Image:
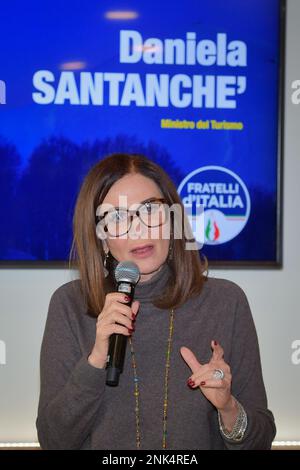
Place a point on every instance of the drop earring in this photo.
(105, 270)
(170, 254)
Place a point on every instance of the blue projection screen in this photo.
(195, 86)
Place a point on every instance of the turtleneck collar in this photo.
(147, 291)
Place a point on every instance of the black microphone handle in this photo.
(118, 343)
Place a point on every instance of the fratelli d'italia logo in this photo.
(224, 198)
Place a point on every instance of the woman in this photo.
(192, 375)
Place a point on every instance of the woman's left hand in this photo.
(217, 391)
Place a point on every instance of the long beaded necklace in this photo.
(166, 383)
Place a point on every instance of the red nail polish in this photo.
(202, 383)
(126, 298)
(131, 330)
(215, 343)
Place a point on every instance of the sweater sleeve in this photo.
(247, 381)
(71, 389)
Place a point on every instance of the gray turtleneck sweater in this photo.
(78, 411)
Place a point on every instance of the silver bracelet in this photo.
(239, 427)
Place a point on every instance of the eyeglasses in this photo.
(118, 221)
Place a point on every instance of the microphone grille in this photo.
(127, 271)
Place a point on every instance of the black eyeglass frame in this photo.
(99, 218)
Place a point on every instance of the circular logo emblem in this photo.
(220, 199)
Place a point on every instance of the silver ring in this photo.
(218, 374)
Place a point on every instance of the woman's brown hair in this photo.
(87, 254)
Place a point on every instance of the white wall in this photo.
(274, 297)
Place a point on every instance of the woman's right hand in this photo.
(115, 317)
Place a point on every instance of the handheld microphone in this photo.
(127, 275)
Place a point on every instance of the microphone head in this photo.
(127, 271)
